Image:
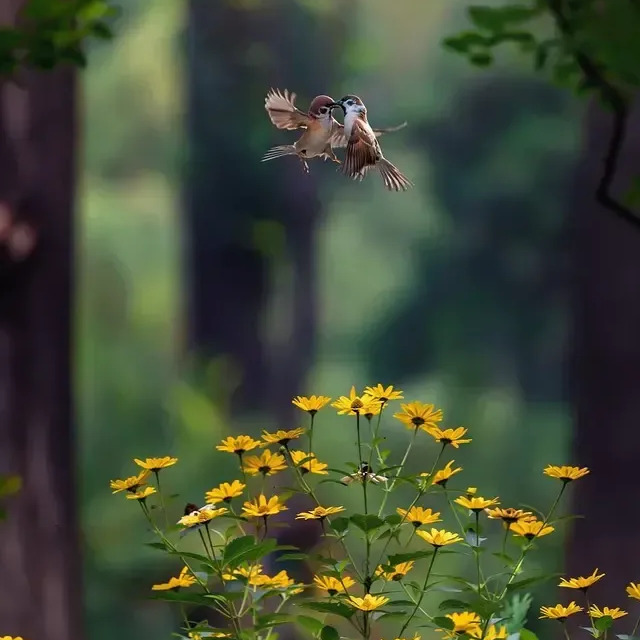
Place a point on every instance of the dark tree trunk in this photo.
(40, 590)
(606, 373)
(235, 54)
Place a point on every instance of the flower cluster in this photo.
(375, 566)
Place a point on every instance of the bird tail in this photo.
(391, 176)
(279, 152)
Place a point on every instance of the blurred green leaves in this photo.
(9, 486)
(50, 33)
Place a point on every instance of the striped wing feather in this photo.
(282, 110)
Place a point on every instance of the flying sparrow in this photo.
(364, 474)
(363, 148)
(322, 134)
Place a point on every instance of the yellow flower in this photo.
(333, 585)
(225, 492)
(354, 404)
(495, 633)
(442, 476)
(371, 409)
(476, 503)
(416, 415)
(566, 474)
(594, 612)
(245, 572)
(471, 491)
(308, 463)
(633, 590)
(311, 404)
(531, 529)
(260, 507)
(440, 538)
(396, 574)
(185, 579)
(267, 464)
(133, 483)
(202, 516)
(141, 494)
(319, 513)
(465, 622)
(281, 437)
(418, 516)
(383, 394)
(559, 612)
(238, 445)
(454, 437)
(581, 583)
(279, 581)
(368, 603)
(509, 516)
(195, 635)
(155, 464)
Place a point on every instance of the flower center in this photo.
(357, 404)
(332, 592)
(312, 412)
(417, 421)
(265, 469)
(239, 451)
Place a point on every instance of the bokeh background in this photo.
(213, 288)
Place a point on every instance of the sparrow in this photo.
(363, 149)
(364, 473)
(322, 132)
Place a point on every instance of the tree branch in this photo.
(614, 98)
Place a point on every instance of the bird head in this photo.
(320, 107)
(350, 104)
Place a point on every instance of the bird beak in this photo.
(334, 105)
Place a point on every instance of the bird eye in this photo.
(323, 109)
(349, 103)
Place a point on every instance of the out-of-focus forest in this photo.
(212, 288)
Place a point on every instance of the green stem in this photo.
(395, 478)
(424, 588)
(476, 549)
(635, 627)
(162, 505)
(505, 539)
(420, 609)
(311, 434)
(374, 442)
(566, 633)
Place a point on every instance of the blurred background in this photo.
(212, 288)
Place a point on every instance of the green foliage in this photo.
(51, 33)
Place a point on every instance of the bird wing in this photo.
(283, 112)
(339, 139)
(362, 150)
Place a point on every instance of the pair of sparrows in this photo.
(323, 133)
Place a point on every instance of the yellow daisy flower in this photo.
(155, 464)
(560, 612)
(184, 580)
(279, 581)
(260, 507)
(566, 474)
(395, 574)
(311, 404)
(531, 529)
(442, 476)
(238, 444)
(633, 590)
(333, 585)
(595, 612)
(319, 513)
(281, 437)
(465, 622)
(308, 463)
(368, 603)
(354, 404)
(245, 572)
(508, 516)
(267, 464)
(454, 437)
(476, 503)
(495, 633)
(371, 409)
(141, 494)
(581, 583)
(418, 516)
(440, 538)
(225, 492)
(383, 394)
(416, 415)
(202, 516)
(133, 483)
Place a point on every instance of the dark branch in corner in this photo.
(618, 104)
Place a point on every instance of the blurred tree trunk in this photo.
(248, 221)
(606, 372)
(40, 590)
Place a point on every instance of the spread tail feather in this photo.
(279, 152)
(391, 176)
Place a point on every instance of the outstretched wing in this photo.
(339, 139)
(283, 112)
(363, 150)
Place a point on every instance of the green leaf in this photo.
(340, 525)
(312, 625)
(272, 619)
(393, 519)
(603, 623)
(10, 485)
(237, 548)
(329, 633)
(337, 608)
(367, 522)
(397, 558)
(156, 545)
(525, 634)
(453, 604)
(193, 556)
(182, 596)
(443, 622)
(481, 59)
(527, 582)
